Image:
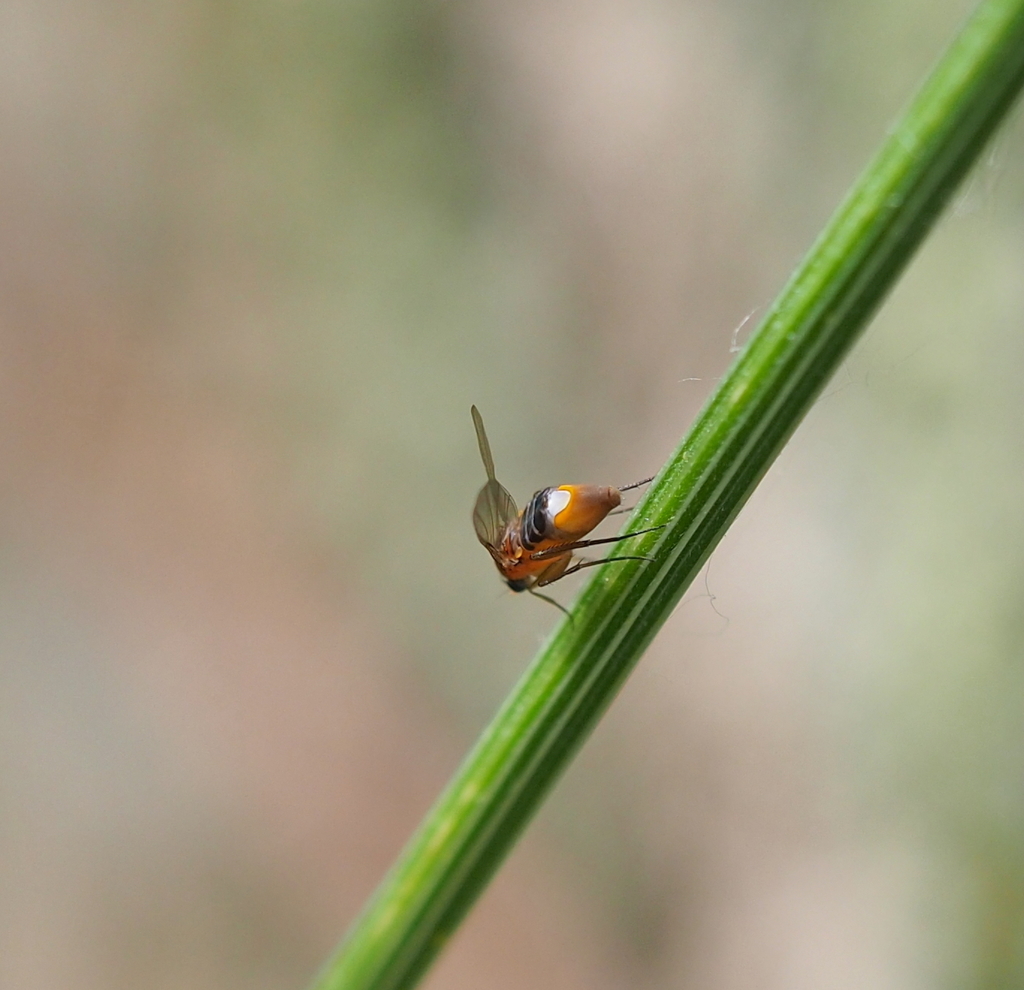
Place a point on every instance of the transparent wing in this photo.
(493, 511)
(494, 508)
(481, 439)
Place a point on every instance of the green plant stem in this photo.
(759, 404)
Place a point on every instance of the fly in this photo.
(536, 547)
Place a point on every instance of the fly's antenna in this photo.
(550, 601)
(637, 484)
(481, 439)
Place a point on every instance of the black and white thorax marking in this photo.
(537, 523)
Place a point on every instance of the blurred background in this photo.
(258, 260)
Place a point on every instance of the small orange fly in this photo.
(534, 548)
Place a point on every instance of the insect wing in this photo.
(493, 511)
(481, 439)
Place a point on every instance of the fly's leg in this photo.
(559, 568)
(637, 484)
(553, 571)
(580, 544)
(550, 601)
(595, 563)
(550, 574)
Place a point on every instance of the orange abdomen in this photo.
(563, 515)
(574, 510)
